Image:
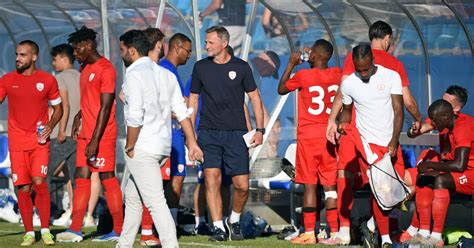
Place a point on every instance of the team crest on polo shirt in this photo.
(91, 76)
(232, 75)
(381, 87)
(40, 86)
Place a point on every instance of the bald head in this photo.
(441, 114)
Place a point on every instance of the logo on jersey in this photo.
(381, 87)
(91, 76)
(40, 86)
(232, 75)
(180, 168)
(14, 177)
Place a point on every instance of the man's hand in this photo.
(256, 140)
(423, 167)
(46, 132)
(341, 128)
(76, 126)
(61, 137)
(295, 58)
(392, 148)
(195, 153)
(331, 132)
(130, 153)
(415, 129)
(92, 148)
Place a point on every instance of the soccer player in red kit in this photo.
(97, 136)
(438, 180)
(29, 90)
(380, 35)
(315, 155)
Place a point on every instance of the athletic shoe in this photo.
(149, 240)
(387, 245)
(305, 238)
(48, 238)
(369, 239)
(181, 232)
(64, 220)
(234, 230)
(415, 240)
(69, 236)
(111, 236)
(432, 242)
(89, 221)
(28, 240)
(218, 235)
(293, 235)
(7, 213)
(336, 241)
(405, 237)
(202, 229)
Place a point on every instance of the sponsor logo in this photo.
(40, 86)
(91, 76)
(232, 75)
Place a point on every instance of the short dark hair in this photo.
(221, 31)
(325, 46)
(440, 107)
(361, 52)
(136, 39)
(153, 35)
(459, 92)
(82, 34)
(179, 38)
(32, 44)
(65, 50)
(379, 29)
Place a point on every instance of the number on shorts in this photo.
(320, 99)
(100, 162)
(44, 170)
(462, 179)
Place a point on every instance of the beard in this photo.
(127, 61)
(23, 67)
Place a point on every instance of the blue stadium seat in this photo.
(409, 158)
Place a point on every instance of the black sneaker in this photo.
(202, 229)
(387, 245)
(287, 231)
(234, 230)
(369, 238)
(217, 235)
(181, 232)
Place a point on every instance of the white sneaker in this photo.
(64, 220)
(7, 213)
(69, 236)
(89, 221)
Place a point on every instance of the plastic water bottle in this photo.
(39, 131)
(3, 198)
(92, 160)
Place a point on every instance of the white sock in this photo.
(219, 224)
(344, 233)
(45, 230)
(412, 230)
(31, 233)
(436, 235)
(234, 217)
(198, 220)
(386, 239)
(147, 232)
(423, 232)
(174, 213)
(371, 224)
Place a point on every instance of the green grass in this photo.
(11, 236)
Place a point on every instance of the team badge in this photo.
(232, 75)
(168, 171)
(381, 87)
(91, 76)
(40, 86)
(200, 175)
(180, 168)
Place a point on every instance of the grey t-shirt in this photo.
(68, 80)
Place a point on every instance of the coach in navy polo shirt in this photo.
(222, 81)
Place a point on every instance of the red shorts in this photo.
(166, 170)
(464, 181)
(348, 156)
(105, 161)
(316, 160)
(28, 164)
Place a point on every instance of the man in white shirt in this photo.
(376, 93)
(151, 94)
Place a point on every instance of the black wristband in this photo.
(262, 130)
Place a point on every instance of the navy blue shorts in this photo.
(178, 153)
(225, 148)
(226, 179)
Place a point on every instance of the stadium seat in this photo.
(409, 158)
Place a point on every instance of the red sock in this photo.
(113, 195)
(415, 221)
(424, 199)
(440, 206)
(25, 204)
(147, 221)
(309, 219)
(381, 217)
(318, 207)
(43, 203)
(82, 193)
(331, 217)
(345, 199)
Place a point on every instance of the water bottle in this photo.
(39, 131)
(3, 198)
(305, 56)
(92, 160)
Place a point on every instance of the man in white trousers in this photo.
(151, 94)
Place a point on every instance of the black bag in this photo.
(465, 243)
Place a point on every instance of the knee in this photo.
(241, 188)
(441, 182)
(38, 180)
(25, 188)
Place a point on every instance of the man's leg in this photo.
(309, 216)
(173, 194)
(345, 202)
(113, 195)
(93, 199)
(133, 212)
(330, 196)
(82, 194)
(213, 181)
(178, 172)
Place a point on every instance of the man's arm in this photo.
(193, 102)
(257, 107)
(195, 152)
(412, 107)
(106, 103)
(397, 105)
(458, 164)
(331, 130)
(425, 128)
(55, 117)
(213, 6)
(64, 119)
(294, 60)
(76, 124)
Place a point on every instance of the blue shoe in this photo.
(69, 236)
(112, 236)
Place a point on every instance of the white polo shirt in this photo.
(151, 94)
(373, 103)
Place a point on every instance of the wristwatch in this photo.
(129, 149)
(262, 130)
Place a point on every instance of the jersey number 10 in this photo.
(320, 99)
